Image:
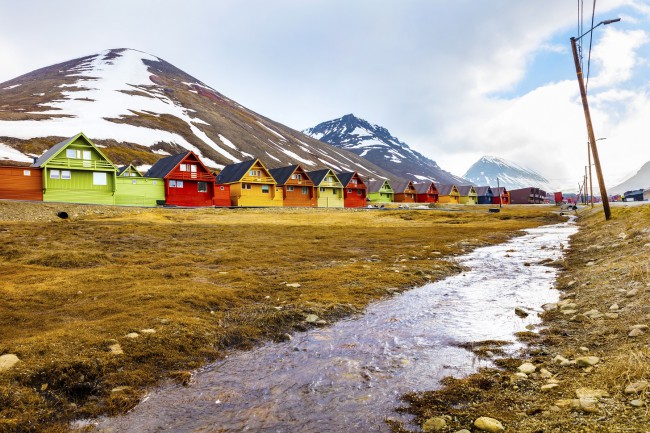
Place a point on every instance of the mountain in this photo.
(641, 180)
(138, 108)
(378, 146)
(486, 170)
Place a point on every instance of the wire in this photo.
(591, 38)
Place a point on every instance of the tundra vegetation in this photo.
(109, 301)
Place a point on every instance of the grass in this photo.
(607, 263)
(193, 284)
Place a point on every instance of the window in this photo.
(99, 178)
(70, 153)
(322, 189)
(55, 174)
(296, 176)
(86, 154)
(203, 186)
(349, 191)
(334, 191)
(192, 168)
(255, 173)
(353, 181)
(305, 190)
(359, 192)
(172, 184)
(289, 188)
(27, 173)
(65, 174)
(183, 167)
(179, 184)
(265, 189)
(134, 182)
(246, 186)
(221, 188)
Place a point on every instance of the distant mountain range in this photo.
(488, 169)
(377, 145)
(641, 180)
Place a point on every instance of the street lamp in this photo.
(590, 129)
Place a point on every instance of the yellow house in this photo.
(251, 184)
(448, 194)
(329, 188)
(467, 194)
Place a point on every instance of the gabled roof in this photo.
(233, 173)
(346, 177)
(423, 187)
(318, 175)
(58, 148)
(466, 190)
(400, 186)
(499, 190)
(483, 191)
(376, 185)
(164, 166)
(130, 168)
(446, 189)
(282, 174)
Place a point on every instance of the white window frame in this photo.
(66, 175)
(289, 188)
(27, 172)
(172, 183)
(204, 184)
(55, 174)
(183, 167)
(87, 154)
(100, 178)
(268, 189)
(71, 153)
(179, 184)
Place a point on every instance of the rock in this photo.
(591, 312)
(559, 359)
(132, 335)
(632, 293)
(311, 318)
(584, 349)
(462, 431)
(636, 332)
(488, 424)
(521, 312)
(636, 403)
(436, 423)
(120, 388)
(637, 387)
(569, 312)
(545, 374)
(614, 307)
(147, 331)
(116, 349)
(568, 306)
(611, 315)
(587, 361)
(568, 403)
(321, 322)
(641, 327)
(7, 361)
(589, 405)
(549, 387)
(591, 393)
(294, 285)
(527, 368)
(549, 307)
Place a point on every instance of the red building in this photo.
(354, 189)
(504, 193)
(297, 188)
(21, 183)
(426, 192)
(187, 181)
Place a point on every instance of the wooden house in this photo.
(523, 195)
(297, 188)
(503, 193)
(404, 191)
(329, 188)
(187, 181)
(467, 194)
(21, 183)
(380, 191)
(484, 194)
(354, 189)
(448, 194)
(250, 184)
(76, 171)
(426, 192)
(133, 189)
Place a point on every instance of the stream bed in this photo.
(349, 376)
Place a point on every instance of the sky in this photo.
(454, 79)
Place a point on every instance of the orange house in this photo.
(297, 187)
(21, 183)
(404, 191)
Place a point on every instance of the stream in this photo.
(349, 376)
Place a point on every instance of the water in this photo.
(348, 377)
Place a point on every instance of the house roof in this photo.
(445, 189)
(376, 185)
(164, 166)
(234, 172)
(282, 174)
(400, 186)
(499, 190)
(124, 168)
(423, 187)
(346, 177)
(318, 175)
(483, 191)
(465, 190)
(54, 150)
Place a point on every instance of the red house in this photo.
(187, 181)
(354, 189)
(504, 193)
(21, 183)
(426, 192)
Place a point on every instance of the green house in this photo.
(380, 191)
(76, 171)
(133, 189)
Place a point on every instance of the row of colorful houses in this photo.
(76, 171)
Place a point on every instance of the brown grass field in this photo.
(194, 283)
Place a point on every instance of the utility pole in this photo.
(499, 192)
(590, 129)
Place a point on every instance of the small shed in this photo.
(187, 181)
(404, 191)
(133, 189)
(354, 189)
(426, 192)
(21, 183)
(329, 188)
(448, 193)
(297, 188)
(380, 191)
(484, 194)
(250, 184)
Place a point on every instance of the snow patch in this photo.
(271, 130)
(11, 154)
(11, 87)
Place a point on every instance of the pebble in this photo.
(436, 423)
(611, 315)
(491, 425)
(559, 359)
(641, 327)
(587, 361)
(614, 307)
(567, 305)
(527, 368)
(7, 361)
(311, 318)
(294, 285)
(545, 374)
(636, 403)
(549, 387)
(116, 349)
(148, 331)
(132, 335)
(120, 388)
(637, 387)
(462, 431)
(521, 312)
(549, 307)
(632, 293)
(591, 393)
(636, 332)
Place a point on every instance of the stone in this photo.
(637, 387)
(584, 349)
(636, 332)
(132, 335)
(614, 307)
(462, 431)
(549, 307)
(527, 368)
(569, 312)
(545, 374)
(520, 312)
(7, 361)
(632, 293)
(591, 393)
(549, 387)
(120, 388)
(116, 349)
(641, 327)
(148, 331)
(491, 425)
(587, 361)
(568, 403)
(637, 403)
(568, 306)
(591, 312)
(436, 423)
(311, 318)
(294, 285)
(611, 315)
(589, 405)
(559, 359)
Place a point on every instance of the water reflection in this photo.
(348, 377)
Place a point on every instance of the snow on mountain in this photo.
(139, 108)
(486, 170)
(641, 180)
(378, 146)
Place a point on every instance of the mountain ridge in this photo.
(640, 180)
(510, 175)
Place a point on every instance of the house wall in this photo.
(505, 199)
(79, 188)
(426, 198)
(330, 196)
(354, 197)
(467, 199)
(302, 195)
(189, 194)
(254, 196)
(405, 197)
(381, 197)
(21, 183)
(485, 199)
(139, 191)
(521, 196)
(452, 199)
(222, 195)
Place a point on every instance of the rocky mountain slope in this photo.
(139, 108)
(486, 170)
(641, 180)
(378, 146)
